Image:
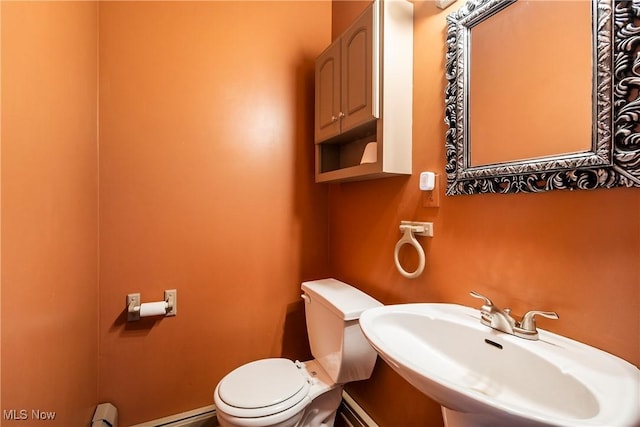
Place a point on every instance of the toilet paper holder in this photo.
(167, 307)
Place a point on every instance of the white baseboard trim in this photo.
(350, 412)
(201, 417)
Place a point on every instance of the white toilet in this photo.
(282, 393)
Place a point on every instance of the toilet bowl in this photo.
(279, 392)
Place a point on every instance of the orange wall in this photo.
(49, 210)
(206, 186)
(577, 253)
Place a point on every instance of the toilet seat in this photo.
(261, 388)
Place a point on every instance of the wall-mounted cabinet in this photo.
(364, 94)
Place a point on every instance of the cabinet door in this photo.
(359, 85)
(328, 93)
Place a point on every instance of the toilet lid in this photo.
(264, 383)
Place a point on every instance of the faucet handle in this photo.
(487, 301)
(528, 322)
(487, 309)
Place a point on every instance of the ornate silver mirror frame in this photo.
(614, 159)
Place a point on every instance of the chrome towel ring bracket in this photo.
(409, 231)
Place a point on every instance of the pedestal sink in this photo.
(483, 377)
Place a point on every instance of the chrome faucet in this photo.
(501, 320)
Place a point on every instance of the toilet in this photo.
(284, 393)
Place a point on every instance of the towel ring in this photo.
(409, 239)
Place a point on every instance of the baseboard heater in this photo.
(201, 417)
(350, 414)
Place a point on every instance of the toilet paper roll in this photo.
(153, 309)
(370, 154)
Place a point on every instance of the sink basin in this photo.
(483, 377)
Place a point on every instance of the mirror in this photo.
(542, 95)
(525, 72)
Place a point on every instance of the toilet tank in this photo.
(332, 310)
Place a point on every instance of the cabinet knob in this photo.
(341, 114)
(334, 119)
